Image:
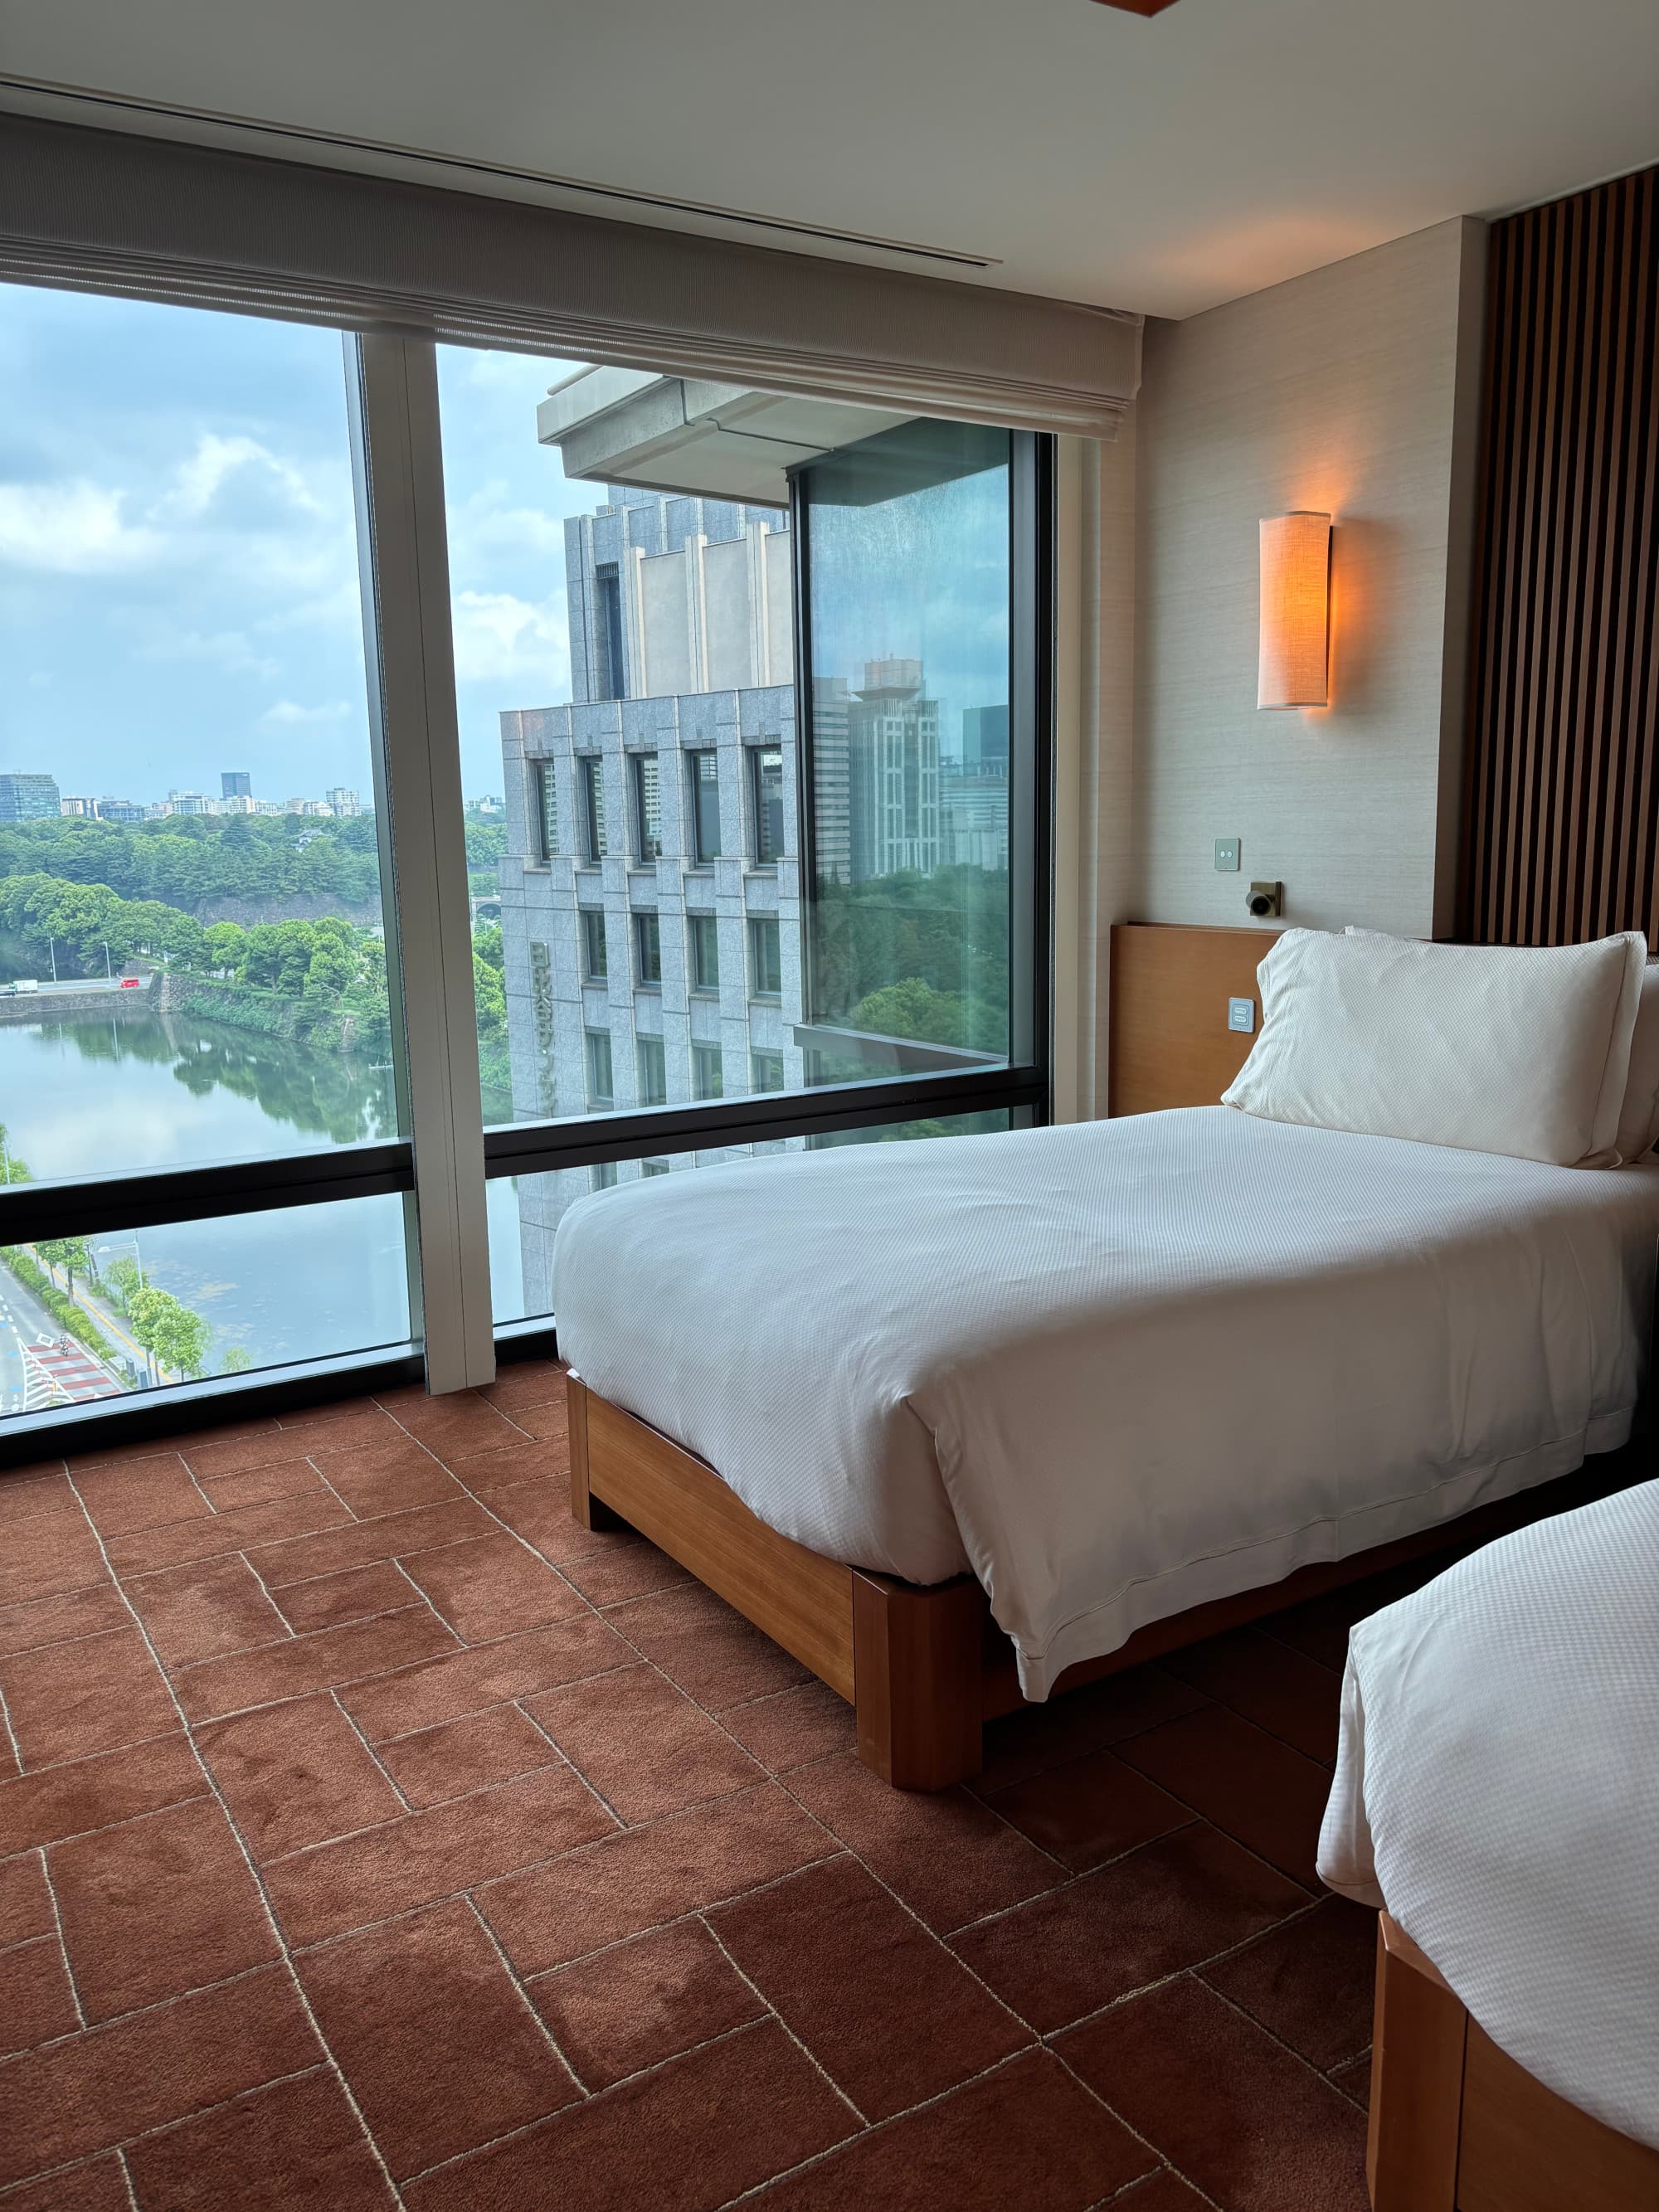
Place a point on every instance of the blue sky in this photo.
(177, 561)
(179, 587)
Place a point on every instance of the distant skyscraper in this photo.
(985, 741)
(893, 758)
(28, 798)
(235, 783)
(344, 802)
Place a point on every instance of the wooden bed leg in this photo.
(585, 1511)
(918, 1674)
(1416, 2080)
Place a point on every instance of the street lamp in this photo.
(104, 1253)
(109, 972)
(51, 946)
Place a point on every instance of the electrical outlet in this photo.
(1241, 1015)
(1226, 856)
(1264, 900)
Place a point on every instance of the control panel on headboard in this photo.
(1181, 999)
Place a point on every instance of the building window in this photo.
(596, 961)
(545, 809)
(708, 1075)
(609, 681)
(647, 949)
(591, 774)
(704, 767)
(596, 1044)
(653, 1167)
(765, 959)
(766, 1070)
(705, 933)
(766, 767)
(603, 1177)
(653, 1072)
(647, 807)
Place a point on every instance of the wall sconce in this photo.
(1293, 662)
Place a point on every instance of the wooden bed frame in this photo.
(923, 1669)
(1457, 2126)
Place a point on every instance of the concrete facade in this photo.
(667, 595)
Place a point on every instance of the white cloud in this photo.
(198, 481)
(500, 639)
(230, 648)
(74, 527)
(288, 712)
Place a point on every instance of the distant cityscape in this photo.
(30, 798)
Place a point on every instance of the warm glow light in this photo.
(1293, 664)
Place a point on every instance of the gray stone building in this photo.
(651, 898)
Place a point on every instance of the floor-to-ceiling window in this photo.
(731, 835)
(194, 923)
(831, 891)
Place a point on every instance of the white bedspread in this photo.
(1498, 1787)
(1122, 1367)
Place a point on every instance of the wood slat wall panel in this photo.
(1562, 819)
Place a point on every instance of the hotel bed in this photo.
(1113, 1385)
(1497, 1794)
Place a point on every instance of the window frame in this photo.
(645, 1049)
(545, 809)
(702, 1053)
(759, 925)
(700, 929)
(694, 757)
(757, 755)
(647, 848)
(648, 933)
(600, 1099)
(594, 972)
(593, 826)
(1024, 1087)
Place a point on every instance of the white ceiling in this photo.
(1164, 165)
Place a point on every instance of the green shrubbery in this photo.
(73, 1318)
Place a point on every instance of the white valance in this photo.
(200, 226)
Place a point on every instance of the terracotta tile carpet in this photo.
(370, 1835)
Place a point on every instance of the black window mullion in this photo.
(539, 1148)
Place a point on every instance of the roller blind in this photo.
(200, 226)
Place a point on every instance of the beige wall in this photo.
(1354, 389)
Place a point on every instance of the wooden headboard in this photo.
(1170, 1044)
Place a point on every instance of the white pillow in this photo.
(1490, 1048)
(1639, 1122)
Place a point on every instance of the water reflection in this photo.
(94, 1096)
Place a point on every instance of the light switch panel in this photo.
(1241, 1015)
(1226, 856)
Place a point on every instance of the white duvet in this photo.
(1498, 1787)
(1119, 1368)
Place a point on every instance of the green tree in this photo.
(69, 1253)
(235, 1359)
(123, 1280)
(12, 1170)
(227, 941)
(170, 1333)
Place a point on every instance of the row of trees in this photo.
(173, 1337)
(916, 956)
(186, 860)
(332, 966)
